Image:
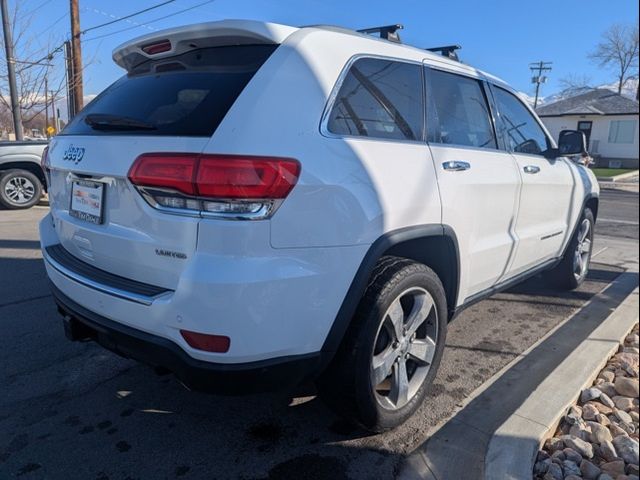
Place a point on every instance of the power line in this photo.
(150, 21)
(127, 16)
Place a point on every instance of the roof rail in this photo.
(448, 51)
(388, 32)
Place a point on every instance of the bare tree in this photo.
(618, 51)
(575, 84)
(35, 68)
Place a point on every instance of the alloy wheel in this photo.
(583, 250)
(404, 348)
(19, 190)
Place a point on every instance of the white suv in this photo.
(255, 205)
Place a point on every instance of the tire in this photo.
(351, 385)
(571, 272)
(19, 189)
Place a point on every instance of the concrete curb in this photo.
(513, 447)
(617, 178)
(513, 410)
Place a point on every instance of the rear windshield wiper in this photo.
(106, 121)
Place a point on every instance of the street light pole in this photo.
(11, 71)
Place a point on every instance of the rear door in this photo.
(167, 106)
(479, 184)
(547, 185)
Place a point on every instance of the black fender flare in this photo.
(378, 249)
(590, 196)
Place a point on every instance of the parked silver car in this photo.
(22, 181)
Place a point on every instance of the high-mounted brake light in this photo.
(156, 47)
(226, 186)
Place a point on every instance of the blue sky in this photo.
(499, 36)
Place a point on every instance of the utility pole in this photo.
(11, 71)
(46, 106)
(536, 69)
(54, 120)
(76, 57)
(69, 77)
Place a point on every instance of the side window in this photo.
(458, 113)
(380, 99)
(521, 131)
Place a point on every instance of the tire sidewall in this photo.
(374, 413)
(10, 204)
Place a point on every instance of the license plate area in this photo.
(87, 201)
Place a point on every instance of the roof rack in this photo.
(448, 51)
(388, 32)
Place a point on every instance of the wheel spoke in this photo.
(396, 315)
(586, 246)
(399, 394)
(584, 231)
(580, 264)
(423, 351)
(421, 309)
(382, 365)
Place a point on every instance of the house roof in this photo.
(600, 101)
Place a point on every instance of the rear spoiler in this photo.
(175, 41)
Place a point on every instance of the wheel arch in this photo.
(592, 203)
(435, 245)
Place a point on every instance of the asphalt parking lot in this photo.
(75, 411)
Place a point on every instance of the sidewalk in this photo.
(512, 409)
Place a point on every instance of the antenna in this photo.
(388, 32)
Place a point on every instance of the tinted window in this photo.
(381, 99)
(188, 94)
(520, 129)
(458, 113)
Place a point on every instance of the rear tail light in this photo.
(44, 160)
(225, 186)
(45, 164)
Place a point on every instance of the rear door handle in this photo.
(456, 166)
(532, 169)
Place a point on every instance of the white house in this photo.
(609, 120)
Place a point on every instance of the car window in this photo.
(185, 95)
(458, 113)
(520, 129)
(380, 99)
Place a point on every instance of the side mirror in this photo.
(572, 142)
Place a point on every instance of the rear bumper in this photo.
(231, 379)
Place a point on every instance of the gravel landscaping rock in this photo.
(627, 387)
(614, 468)
(554, 472)
(597, 439)
(590, 394)
(599, 433)
(608, 452)
(627, 448)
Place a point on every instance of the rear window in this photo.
(185, 95)
(379, 99)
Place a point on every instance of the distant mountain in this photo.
(629, 90)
